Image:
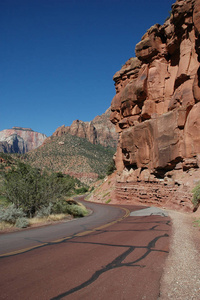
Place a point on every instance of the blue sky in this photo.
(58, 57)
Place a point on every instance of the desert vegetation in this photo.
(27, 192)
(196, 196)
(69, 153)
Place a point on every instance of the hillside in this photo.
(72, 155)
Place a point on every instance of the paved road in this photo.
(93, 260)
(28, 238)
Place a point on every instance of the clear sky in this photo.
(58, 57)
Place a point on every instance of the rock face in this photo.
(156, 107)
(99, 131)
(20, 140)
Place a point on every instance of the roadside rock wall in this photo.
(157, 104)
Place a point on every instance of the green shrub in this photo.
(45, 211)
(30, 189)
(81, 190)
(11, 213)
(77, 211)
(108, 201)
(60, 206)
(22, 222)
(196, 196)
(37, 193)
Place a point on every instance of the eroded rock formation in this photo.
(20, 140)
(98, 131)
(156, 107)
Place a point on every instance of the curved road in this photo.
(107, 255)
(36, 237)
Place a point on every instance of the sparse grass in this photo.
(108, 201)
(106, 194)
(53, 217)
(197, 223)
(6, 225)
(36, 221)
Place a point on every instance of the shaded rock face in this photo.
(20, 140)
(99, 131)
(156, 107)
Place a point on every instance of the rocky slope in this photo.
(98, 131)
(20, 140)
(156, 112)
(72, 155)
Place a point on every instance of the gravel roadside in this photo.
(181, 277)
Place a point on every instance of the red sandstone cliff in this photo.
(156, 111)
(98, 131)
(20, 140)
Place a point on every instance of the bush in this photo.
(35, 193)
(77, 210)
(63, 206)
(45, 211)
(108, 201)
(196, 196)
(32, 190)
(60, 206)
(11, 213)
(81, 190)
(22, 223)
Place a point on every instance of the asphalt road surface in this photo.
(107, 255)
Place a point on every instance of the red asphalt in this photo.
(122, 261)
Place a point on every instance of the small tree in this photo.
(31, 190)
(34, 191)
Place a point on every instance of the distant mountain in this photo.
(20, 140)
(72, 155)
(98, 131)
(83, 150)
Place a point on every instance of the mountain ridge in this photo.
(98, 131)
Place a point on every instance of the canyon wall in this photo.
(20, 140)
(156, 110)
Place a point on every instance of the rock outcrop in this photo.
(98, 131)
(20, 140)
(157, 105)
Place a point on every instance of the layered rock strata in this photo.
(156, 107)
(20, 140)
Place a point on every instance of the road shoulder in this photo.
(180, 279)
